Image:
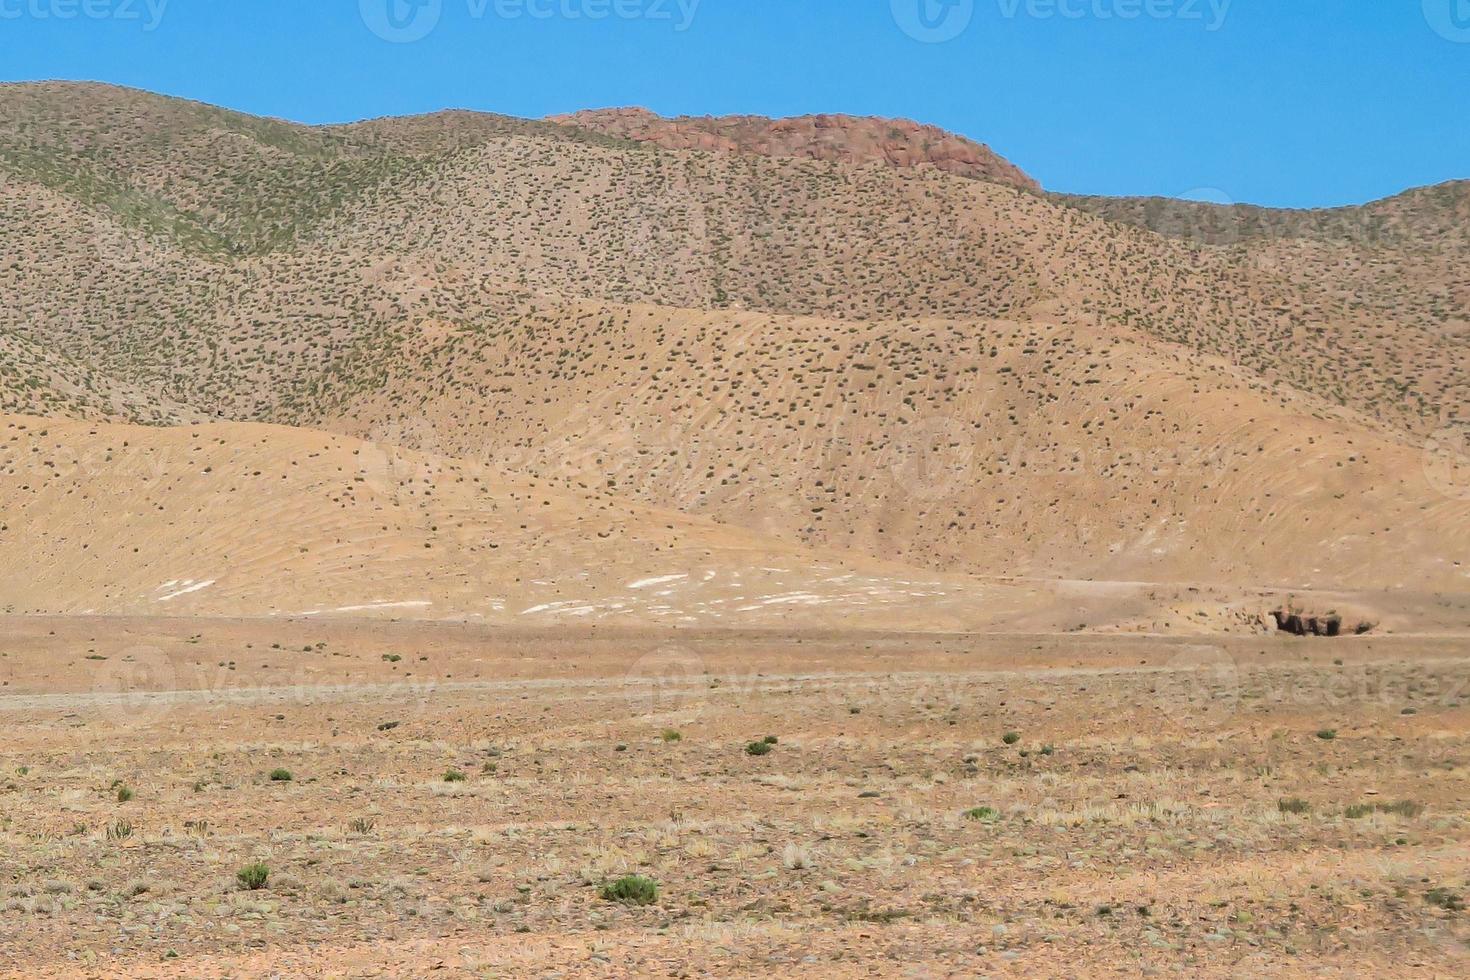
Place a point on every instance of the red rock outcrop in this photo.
(899, 143)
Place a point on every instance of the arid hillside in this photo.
(265, 521)
(897, 143)
(781, 332)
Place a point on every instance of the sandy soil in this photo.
(1136, 822)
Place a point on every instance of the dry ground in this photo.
(1136, 825)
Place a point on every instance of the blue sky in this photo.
(1283, 102)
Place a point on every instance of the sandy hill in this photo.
(252, 520)
(1039, 447)
(843, 352)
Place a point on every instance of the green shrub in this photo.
(124, 794)
(281, 775)
(1327, 734)
(630, 890)
(986, 813)
(1403, 808)
(758, 748)
(454, 776)
(1445, 899)
(1292, 804)
(1011, 738)
(253, 876)
(670, 735)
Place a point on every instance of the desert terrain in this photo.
(612, 545)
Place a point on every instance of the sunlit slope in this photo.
(1040, 448)
(250, 520)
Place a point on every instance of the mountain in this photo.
(818, 341)
(897, 143)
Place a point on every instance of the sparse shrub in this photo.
(119, 830)
(670, 735)
(1011, 738)
(253, 876)
(986, 813)
(630, 890)
(454, 776)
(362, 826)
(758, 748)
(1403, 808)
(281, 776)
(796, 858)
(1293, 804)
(1445, 899)
(124, 794)
(1327, 734)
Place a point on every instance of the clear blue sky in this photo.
(1282, 102)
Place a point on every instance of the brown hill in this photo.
(890, 364)
(897, 143)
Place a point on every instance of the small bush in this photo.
(362, 826)
(1011, 738)
(120, 830)
(281, 775)
(758, 748)
(253, 876)
(454, 776)
(771, 740)
(124, 794)
(630, 890)
(986, 813)
(1403, 808)
(1445, 899)
(1327, 734)
(670, 735)
(1293, 804)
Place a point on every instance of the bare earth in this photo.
(411, 529)
(1136, 823)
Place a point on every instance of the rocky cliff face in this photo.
(899, 143)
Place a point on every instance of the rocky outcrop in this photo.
(1299, 624)
(898, 143)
